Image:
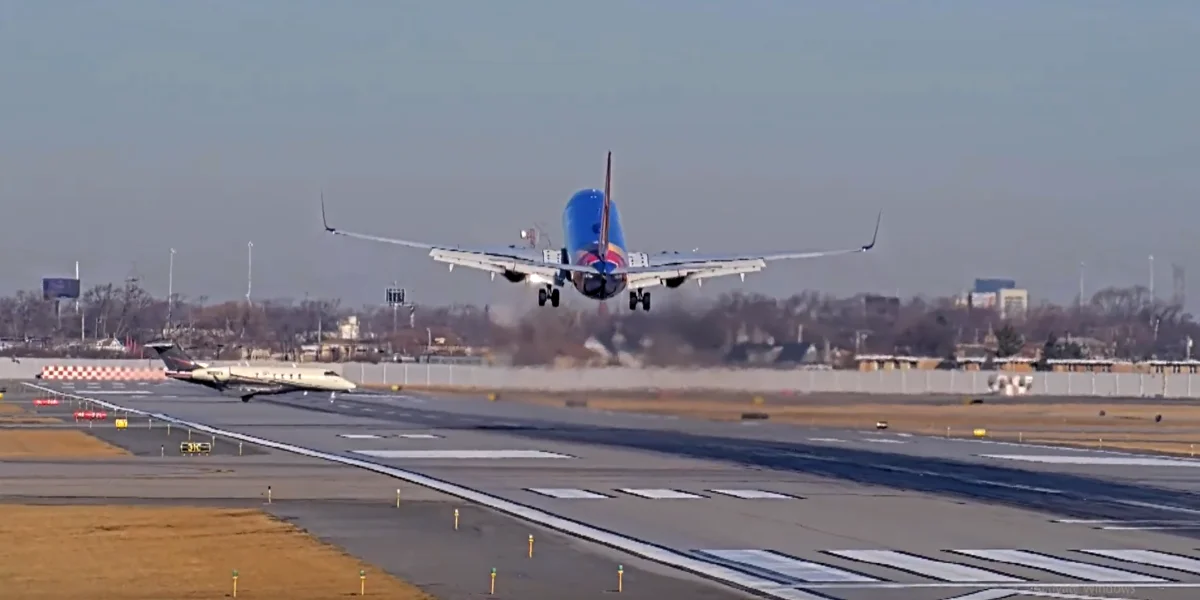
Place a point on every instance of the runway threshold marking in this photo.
(1153, 558)
(925, 567)
(660, 493)
(647, 550)
(1060, 566)
(754, 494)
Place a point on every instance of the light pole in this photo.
(170, 287)
(249, 269)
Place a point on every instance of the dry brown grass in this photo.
(28, 420)
(153, 553)
(7, 408)
(45, 443)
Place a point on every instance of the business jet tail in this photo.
(176, 359)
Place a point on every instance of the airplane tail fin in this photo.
(176, 360)
(604, 210)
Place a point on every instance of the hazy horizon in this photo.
(1000, 141)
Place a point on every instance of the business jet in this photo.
(248, 381)
(595, 259)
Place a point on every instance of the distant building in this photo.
(1013, 303)
(887, 307)
(982, 300)
(993, 285)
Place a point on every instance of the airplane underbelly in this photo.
(598, 287)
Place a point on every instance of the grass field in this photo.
(45, 443)
(154, 553)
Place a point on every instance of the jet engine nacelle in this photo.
(515, 277)
(675, 282)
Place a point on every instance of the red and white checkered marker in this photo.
(93, 373)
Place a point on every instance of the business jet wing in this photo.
(496, 260)
(666, 266)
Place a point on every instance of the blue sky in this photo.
(1000, 138)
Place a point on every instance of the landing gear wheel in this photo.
(633, 300)
(646, 301)
(246, 398)
(542, 297)
(554, 297)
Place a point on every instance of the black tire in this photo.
(542, 297)
(633, 301)
(554, 298)
(646, 301)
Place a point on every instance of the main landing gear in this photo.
(548, 293)
(642, 298)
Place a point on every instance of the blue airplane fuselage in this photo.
(581, 227)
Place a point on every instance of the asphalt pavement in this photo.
(815, 513)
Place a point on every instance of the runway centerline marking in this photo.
(1106, 461)
(460, 454)
(569, 493)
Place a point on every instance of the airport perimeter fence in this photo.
(768, 381)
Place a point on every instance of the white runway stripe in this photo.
(1061, 566)
(791, 568)
(568, 493)
(460, 454)
(995, 594)
(1154, 558)
(419, 436)
(754, 494)
(926, 567)
(660, 494)
(1108, 461)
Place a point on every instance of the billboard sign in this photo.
(57, 288)
(395, 296)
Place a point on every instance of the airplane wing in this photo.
(496, 260)
(666, 266)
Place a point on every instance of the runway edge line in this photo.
(616, 541)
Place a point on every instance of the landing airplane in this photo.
(595, 259)
(249, 381)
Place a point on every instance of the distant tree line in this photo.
(1116, 322)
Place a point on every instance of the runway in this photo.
(812, 513)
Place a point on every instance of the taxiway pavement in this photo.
(821, 513)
